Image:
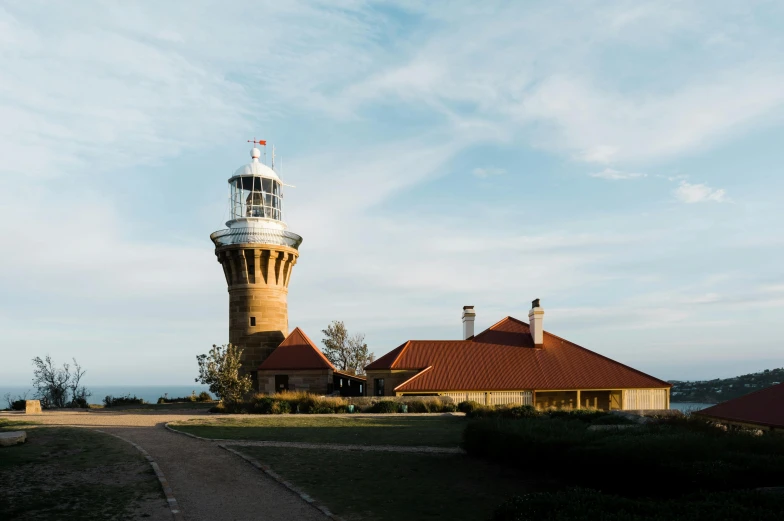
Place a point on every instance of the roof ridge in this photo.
(420, 373)
(405, 346)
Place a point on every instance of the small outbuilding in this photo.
(514, 362)
(763, 409)
(298, 365)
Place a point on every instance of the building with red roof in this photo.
(298, 365)
(514, 362)
(763, 409)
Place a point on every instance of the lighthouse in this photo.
(257, 253)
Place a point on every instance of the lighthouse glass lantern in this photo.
(256, 206)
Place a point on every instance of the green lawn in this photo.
(388, 486)
(76, 474)
(383, 430)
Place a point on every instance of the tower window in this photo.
(252, 321)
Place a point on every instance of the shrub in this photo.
(448, 407)
(114, 401)
(204, 396)
(468, 406)
(504, 411)
(18, 405)
(385, 406)
(417, 406)
(583, 415)
(263, 405)
(613, 419)
(220, 369)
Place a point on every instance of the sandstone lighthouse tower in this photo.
(257, 253)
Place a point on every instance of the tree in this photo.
(59, 387)
(347, 352)
(220, 369)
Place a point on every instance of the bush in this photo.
(417, 406)
(114, 401)
(385, 407)
(504, 411)
(468, 406)
(579, 504)
(204, 396)
(18, 405)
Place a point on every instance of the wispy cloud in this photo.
(488, 172)
(614, 175)
(699, 193)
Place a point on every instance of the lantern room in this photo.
(256, 192)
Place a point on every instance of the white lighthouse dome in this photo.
(256, 168)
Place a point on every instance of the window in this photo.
(252, 321)
(379, 385)
(341, 383)
(360, 388)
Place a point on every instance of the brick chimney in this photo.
(535, 320)
(468, 322)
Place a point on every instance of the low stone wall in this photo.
(32, 407)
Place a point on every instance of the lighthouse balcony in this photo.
(256, 235)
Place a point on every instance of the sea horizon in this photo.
(149, 393)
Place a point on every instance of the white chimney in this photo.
(535, 320)
(468, 322)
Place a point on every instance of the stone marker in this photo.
(32, 406)
(12, 438)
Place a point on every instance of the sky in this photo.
(621, 161)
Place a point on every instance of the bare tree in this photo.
(59, 387)
(347, 352)
(220, 369)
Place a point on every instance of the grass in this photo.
(389, 486)
(74, 474)
(671, 458)
(361, 430)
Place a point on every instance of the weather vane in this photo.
(259, 142)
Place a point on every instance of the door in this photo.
(281, 383)
(616, 402)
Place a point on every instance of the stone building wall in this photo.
(314, 381)
(392, 378)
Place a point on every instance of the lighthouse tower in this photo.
(257, 253)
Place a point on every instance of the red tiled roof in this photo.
(503, 357)
(763, 407)
(297, 351)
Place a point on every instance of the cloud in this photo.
(699, 193)
(488, 172)
(609, 173)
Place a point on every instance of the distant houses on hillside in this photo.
(720, 390)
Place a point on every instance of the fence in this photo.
(635, 399)
(494, 398)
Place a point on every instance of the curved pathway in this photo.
(209, 483)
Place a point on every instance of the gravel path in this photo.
(209, 483)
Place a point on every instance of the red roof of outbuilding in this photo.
(297, 351)
(763, 407)
(504, 357)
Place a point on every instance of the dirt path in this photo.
(208, 482)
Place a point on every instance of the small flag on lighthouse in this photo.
(259, 142)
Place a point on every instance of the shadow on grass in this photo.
(387, 430)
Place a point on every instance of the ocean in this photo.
(149, 393)
(690, 406)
